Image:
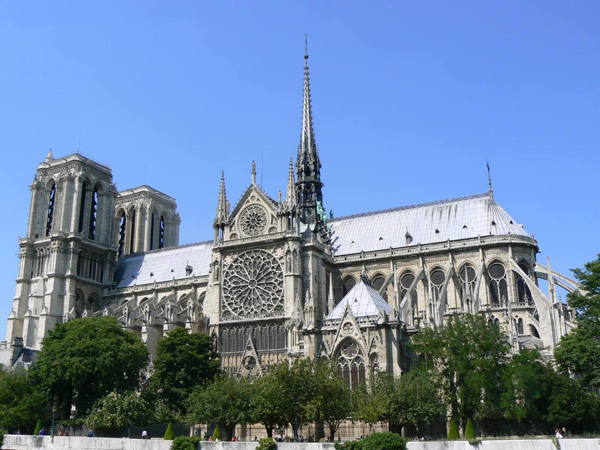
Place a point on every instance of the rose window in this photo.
(253, 220)
(253, 286)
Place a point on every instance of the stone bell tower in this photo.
(68, 254)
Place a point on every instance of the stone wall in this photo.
(22, 442)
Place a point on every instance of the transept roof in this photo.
(363, 301)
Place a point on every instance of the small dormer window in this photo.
(437, 231)
(188, 270)
(493, 222)
(409, 238)
(464, 227)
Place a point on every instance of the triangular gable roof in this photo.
(262, 194)
(363, 301)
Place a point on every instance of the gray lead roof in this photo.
(453, 219)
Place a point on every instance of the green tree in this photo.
(228, 400)
(169, 435)
(84, 359)
(465, 357)
(20, 402)
(183, 362)
(579, 351)
(372, 403)
(297, 390)
(332, 400)
(453, 431)
(268, 404)
(118, 411)
(415, 399)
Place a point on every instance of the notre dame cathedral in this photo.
(280, 278)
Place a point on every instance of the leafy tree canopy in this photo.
(20, 402)
(183, 362)
(466, 357)
(227, 400)
(579, 351)
(84, 359)
(117, 411)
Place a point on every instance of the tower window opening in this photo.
(82, 208)
(93, 214)
(498, 286)
(151, 232)
(51, 203)
(161, 232)
(132, 233)
(122, 230)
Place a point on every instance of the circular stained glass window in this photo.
(253, 220)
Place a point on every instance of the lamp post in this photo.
(53, 413)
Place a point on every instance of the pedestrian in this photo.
(90, 433)
(557, 434)
(144, 434)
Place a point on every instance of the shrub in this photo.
(217, 433)
(375, 441)
(470, 430)
(453, 431)
(38, 427)
(266, 444)
(2, 433)
(169, 436)
(185, 443)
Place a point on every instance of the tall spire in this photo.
(290, 193)
(308, 165)
(222, 204)
(491, 191)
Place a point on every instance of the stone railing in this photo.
(22, 442)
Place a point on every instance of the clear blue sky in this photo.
(410, 101)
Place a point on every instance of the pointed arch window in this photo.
(406, 281)
(151, 232)
(51, 205)
(347, 285)
(122, 232)
(84, 190)
(523, 292)
(161, 232)
(468, 279)
(497, 284)
(132, 233)
(350, 362)
(93, 214)
(437, 279)
(378, 283)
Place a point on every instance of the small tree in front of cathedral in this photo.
(85, 359)
(465, 357)
(119, 411)
(332, 399)
(228, 400)
(184, 361)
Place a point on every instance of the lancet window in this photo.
(351, 365)
(161, 232)
(122, 231)
(497, 284)
(266, 337)
(51, 205)
(523, 292)
(437, 279)
(93, 214)
(468, 279)
(377, 284)
(132, 233)
(347, 285)
(406, 281)
(82, 201)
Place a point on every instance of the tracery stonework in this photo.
(253, 287)
(253, 220)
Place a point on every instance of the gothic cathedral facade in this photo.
(280, 279)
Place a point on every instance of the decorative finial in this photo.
(253, 172)
(49, 156)
(491, 191)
